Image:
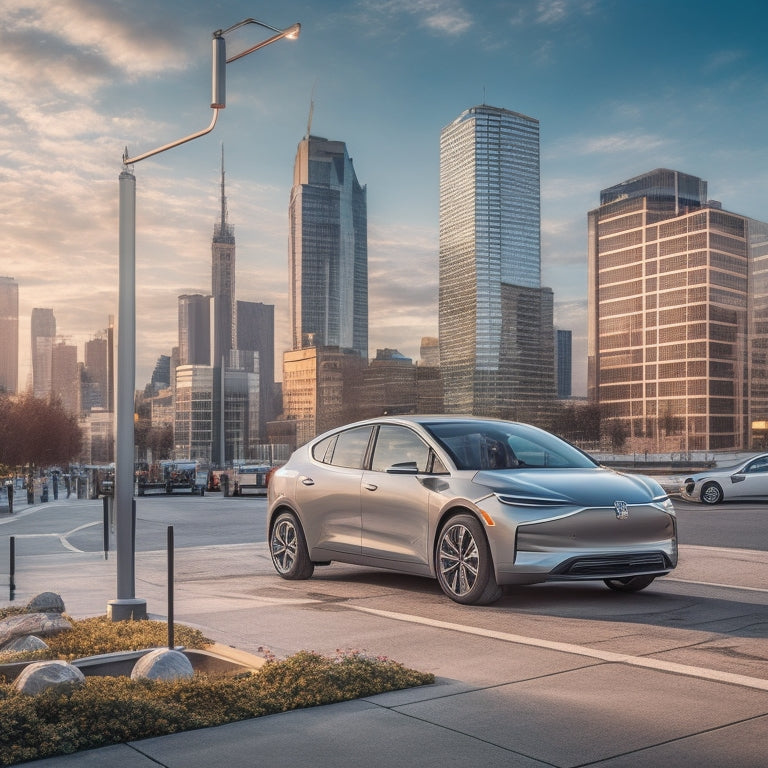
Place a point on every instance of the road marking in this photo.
(715, 584)
(580, 650)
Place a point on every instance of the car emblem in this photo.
(622, 510)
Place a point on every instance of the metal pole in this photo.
(170, 588)
(12, 580)
(105, 535)
(126, 606)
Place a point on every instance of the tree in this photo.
(37, 433)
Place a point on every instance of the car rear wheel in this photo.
(288, 548)
(630, 584)
(463, 562)
(711, 493)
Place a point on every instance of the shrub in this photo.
(111, 710)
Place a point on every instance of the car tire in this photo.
(711, 493)
(630, 584)
(463, 562)
(288, 548)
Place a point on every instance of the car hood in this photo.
(718, 472)
(596, 487)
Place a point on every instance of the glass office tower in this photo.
(677, 315)
(9, 335)
(495, 319)
(328, 249)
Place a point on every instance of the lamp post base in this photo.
(127, 610)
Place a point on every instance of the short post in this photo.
(105, 505)
(9, 491)
(171, 643)
(12, 579)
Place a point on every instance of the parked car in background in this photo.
(746, 480)
(475, 503)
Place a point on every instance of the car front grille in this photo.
(614, 565)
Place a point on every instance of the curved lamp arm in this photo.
(218, 78)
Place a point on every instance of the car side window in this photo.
(350, 448)
(323, 451)
(399, 445)
(759, 465)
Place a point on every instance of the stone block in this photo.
(42, 675)
(163, 664)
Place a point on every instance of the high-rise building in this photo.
(563, 362)
(43, 334)
(65, 377)
(328, 249)
(9, 335)
(96, 384)
(195, 329)
(256, 333)
(678, 315)
(223, 282)
(495, 320)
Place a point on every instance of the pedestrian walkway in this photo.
(499, 700)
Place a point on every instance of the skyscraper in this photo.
(65, 377)
(195, 329)
(678, 315)
(495, 319)
(43, 333)
(563, 362)
(9, 335)
(223, 282)
(328, 249)
(256, 333)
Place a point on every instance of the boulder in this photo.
(45, 602)
(42, 675)
(40, 624)
(163, 664)
(25, 643)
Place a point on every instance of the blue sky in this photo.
(619, 88)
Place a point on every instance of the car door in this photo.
(328, 493)
(753, 481)
(394, 503)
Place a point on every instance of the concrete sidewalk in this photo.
(498, 701)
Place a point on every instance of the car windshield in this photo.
(482, 445)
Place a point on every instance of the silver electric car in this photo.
(476, 503)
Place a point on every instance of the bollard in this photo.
(9, 490)
(105, 505)
(170, 588)
(12, 580)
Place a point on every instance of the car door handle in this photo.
(370, 487)
(307, 481)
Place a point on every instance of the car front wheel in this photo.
(630, 584)
(288, 548)
(711, 493)
(464, 565)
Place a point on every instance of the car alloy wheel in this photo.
(464, 567)
(288, 548)
(711, 493)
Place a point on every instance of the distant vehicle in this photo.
(168, 476)
(746, 480)
(101, 479)
(250, 478)
(475, 503)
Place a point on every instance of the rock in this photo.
(40, 624)
(42, 675)
(25, 643)
(45, 602)
(163, 664)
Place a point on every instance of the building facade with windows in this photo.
(194, 329)
(328, 249)
(678, 315)
(495, 320)
(9, 335)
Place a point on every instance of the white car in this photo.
(746, 480)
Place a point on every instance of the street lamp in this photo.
(127, 605)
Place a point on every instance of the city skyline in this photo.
(616, 94)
